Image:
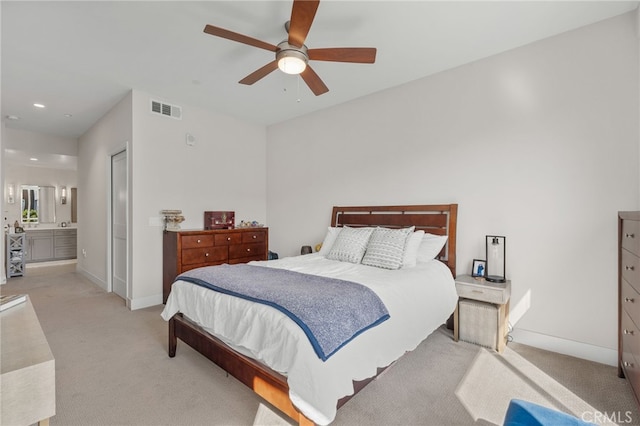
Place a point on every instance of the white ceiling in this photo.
(82, 57)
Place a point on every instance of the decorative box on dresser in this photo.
(185, 250)
(629, 299)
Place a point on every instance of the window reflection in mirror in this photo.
(38, 204)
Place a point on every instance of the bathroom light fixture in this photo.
(63, 195)
(10, 194)
(37, 105)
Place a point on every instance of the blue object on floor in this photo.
(524, 413)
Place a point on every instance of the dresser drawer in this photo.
(192, 241)
(630, 334)
(631, 236)
(631, 368)
(228, 239)
(630, 269)
(254, 237)
(247, 250)
(245, 259)
(630, 301)
(204, 255)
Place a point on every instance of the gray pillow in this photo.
(350, 244)
(386, 247)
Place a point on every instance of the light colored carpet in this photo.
(112, 368)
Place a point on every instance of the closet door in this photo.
(119, 224)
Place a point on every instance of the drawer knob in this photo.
(198, 241)
(628, 364)
(255, 236)
(228, 238)
(629, 299)
(630, 268)
(206, 255)
(248, 249)
(630, 235)
(630, 332)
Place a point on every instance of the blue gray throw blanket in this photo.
(331, 312)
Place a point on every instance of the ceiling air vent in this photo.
(167, 110)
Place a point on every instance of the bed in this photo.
(278, 362)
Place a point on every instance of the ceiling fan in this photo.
(292, 56)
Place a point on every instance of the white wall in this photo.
(539, 144)
(224, 170)
(106, 137)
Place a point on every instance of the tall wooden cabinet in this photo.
(629, 299)
(185, 250)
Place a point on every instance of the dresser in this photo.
(185, 250)
(629, 299)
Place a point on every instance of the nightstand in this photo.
(482, 312)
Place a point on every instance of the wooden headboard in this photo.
(439, 219)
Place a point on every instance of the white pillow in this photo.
(411, 249)
(386, 247)
(329, 239)
(430, 246)
(350, 244)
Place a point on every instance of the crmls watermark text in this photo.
(604, 417)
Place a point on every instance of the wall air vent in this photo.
(167, 110)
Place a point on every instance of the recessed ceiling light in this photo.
(38, 105)
(68, 115)
(33, 159)
(12, 117)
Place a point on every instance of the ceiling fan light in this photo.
(291, 64)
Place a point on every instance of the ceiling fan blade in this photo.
(302, 14)
(259, 73)
(361, 55)
(230, 35)
(313, 81)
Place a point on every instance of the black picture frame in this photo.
(479, 268)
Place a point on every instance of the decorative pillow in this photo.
(329, 239)
(430, 246)
(350, 244)
(386, 247)
(411, 249)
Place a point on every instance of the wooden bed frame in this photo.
(271, 385)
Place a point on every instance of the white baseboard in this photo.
(97, 281)
(566, 347)
(144, 302)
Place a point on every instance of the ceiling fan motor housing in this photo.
(291, 59)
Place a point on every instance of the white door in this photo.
(119, 224)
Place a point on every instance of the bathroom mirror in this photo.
(38, 204)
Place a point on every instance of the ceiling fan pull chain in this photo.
(298, 80)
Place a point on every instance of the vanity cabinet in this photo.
(185, 250)
(39, 247)
(44, 245)
(65, 243)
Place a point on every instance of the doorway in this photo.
(119, 224)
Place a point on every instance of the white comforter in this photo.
(418, 299)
